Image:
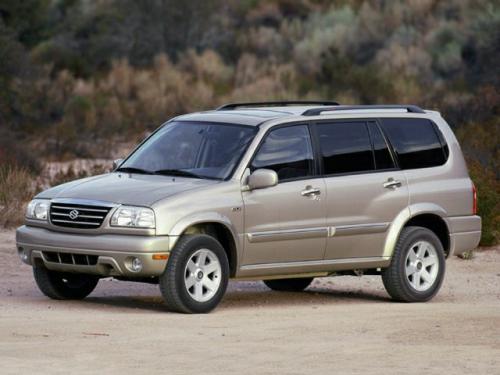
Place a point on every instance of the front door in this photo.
(365, 190)
(286, 222)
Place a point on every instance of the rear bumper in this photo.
(105, 254)
(465, 233)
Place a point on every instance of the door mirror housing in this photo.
(262, 178)
(117, 163)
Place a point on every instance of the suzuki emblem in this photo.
(73, 215)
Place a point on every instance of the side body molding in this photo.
(403, 217)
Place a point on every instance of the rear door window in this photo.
(382, 155)
(416, 142)
(345, 147)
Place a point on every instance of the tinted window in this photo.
(345, 147)
(443, 143)
(383, 159)
(415, 141)
(288, 152)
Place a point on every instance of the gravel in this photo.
(339, 325)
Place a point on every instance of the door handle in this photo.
(392, 183)
(309, 190)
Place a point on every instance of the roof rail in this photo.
(231, 106)
(319, 110)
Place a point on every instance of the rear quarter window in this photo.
(417, 142)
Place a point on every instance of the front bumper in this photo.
(100, 254)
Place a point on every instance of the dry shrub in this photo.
(266, 42)
(467, 255)
(77, 171)
(404, 61)
(265, 83)
(13, 152)
(16, 189)
(206, 66)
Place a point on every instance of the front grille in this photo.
(77, 215)
(67, 258)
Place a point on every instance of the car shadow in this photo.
(312, 296)
(130, 302)
(248, 295)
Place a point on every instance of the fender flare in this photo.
(406, 215)
(206, 217)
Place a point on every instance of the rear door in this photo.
(365, 188)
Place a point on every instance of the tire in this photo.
(196, 275)
(289, 285)
(417, 267)
(62, 285)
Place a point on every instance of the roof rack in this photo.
(319, 110)
(231, 106)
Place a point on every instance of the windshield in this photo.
(191, 149)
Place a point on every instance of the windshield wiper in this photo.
(177, 172)
(133, 170)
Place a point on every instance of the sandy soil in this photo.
(339, 325)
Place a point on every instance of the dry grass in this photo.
(16, 189)
(18, 185)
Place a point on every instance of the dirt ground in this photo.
(339, 325)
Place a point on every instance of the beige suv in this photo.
(281, 191)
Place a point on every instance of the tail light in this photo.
(474, 199)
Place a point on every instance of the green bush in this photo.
(488, 196)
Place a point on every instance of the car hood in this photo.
(125, 188)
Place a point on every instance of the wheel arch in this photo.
(426, 215)
(218, 227)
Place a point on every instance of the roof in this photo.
(257, 115)
(246, 116)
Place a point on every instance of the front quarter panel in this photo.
(219, 203)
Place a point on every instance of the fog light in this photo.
(23, 254)
(136, 265)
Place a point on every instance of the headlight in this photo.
(136, 217)
(38, 209)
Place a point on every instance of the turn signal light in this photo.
(160, 256)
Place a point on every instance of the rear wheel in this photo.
(417, 267)
(289, 285)
(196, 275)
(64, 285)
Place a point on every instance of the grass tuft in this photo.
(16, 189)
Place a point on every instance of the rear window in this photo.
(417, 142)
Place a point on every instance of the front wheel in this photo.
(196, 275)
(417, 266)
(64, 285)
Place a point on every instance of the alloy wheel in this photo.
(202, 275)
(422, 266)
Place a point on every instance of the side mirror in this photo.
(117, 163)
(262, 178)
